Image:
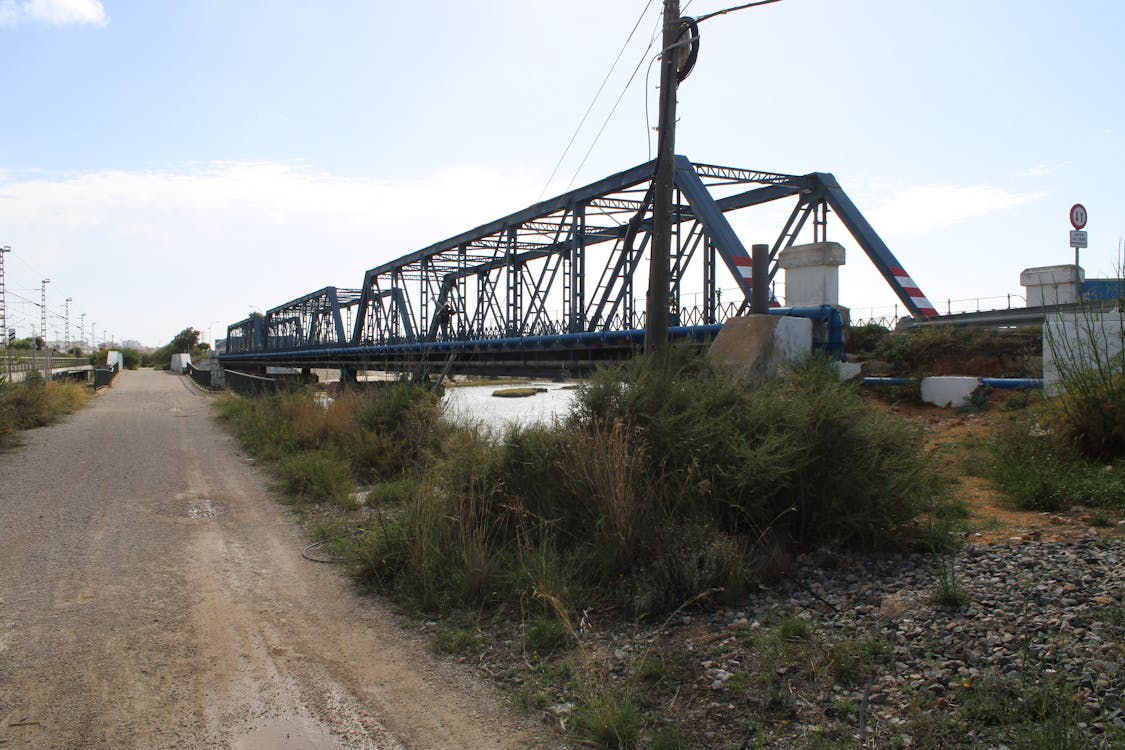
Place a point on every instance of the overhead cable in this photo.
(594, 101)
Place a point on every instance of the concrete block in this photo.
(948, 390)
(180, 362)
(762, 345)
(812, 273)
(1052, 285)
(849, 370)
(812, 254)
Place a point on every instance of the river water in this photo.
(475, 404)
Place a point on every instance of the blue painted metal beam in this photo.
(722, 234)
(881, 256)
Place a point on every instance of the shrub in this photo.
(804, 454)
(659, 488)
(1094, 416)
(865, 338)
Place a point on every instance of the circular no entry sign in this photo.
(1078, 215)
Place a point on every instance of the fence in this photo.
(249, 385)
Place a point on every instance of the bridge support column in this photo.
(812, 274)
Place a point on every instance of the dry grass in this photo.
(35, 404)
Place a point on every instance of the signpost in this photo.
(1078, 218)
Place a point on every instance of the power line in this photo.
(58, 315)
(703, 18)
(594, 101)
(609, 117)
(20, 258)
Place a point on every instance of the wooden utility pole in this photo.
(656, 310)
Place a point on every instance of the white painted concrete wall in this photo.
(1079, 340)
(948, 390)
(180, 362)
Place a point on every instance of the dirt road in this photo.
(152, 595)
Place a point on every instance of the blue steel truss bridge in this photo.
(559, 286)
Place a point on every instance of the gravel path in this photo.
(153, 595)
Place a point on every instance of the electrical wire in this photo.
(20, 258)
(609, 117)
(706, 16)
(594, 101)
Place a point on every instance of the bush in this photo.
(1089, 353)
(865, 338)
(1093, 414)
(1070, 450)
(804, 454)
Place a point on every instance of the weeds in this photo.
(793, 629)
(1087, 350)
(609, 719)
(36, 403)
(465, 641)
(1039, 468)
(545, 635)
(948, 591)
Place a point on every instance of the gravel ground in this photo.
(1052, 608)
(1037, 615)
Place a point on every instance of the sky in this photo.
(185, 162)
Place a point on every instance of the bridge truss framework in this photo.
(561, 281)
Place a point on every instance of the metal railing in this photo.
(104, 376)
(889, 316)
(15, 366)
(211, 379)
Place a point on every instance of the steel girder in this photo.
(314, 321)
(309, 322)
(575, 264)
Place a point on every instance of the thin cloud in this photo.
(53, 12)
(1041, 170)
(204, 244)
(921, 209)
